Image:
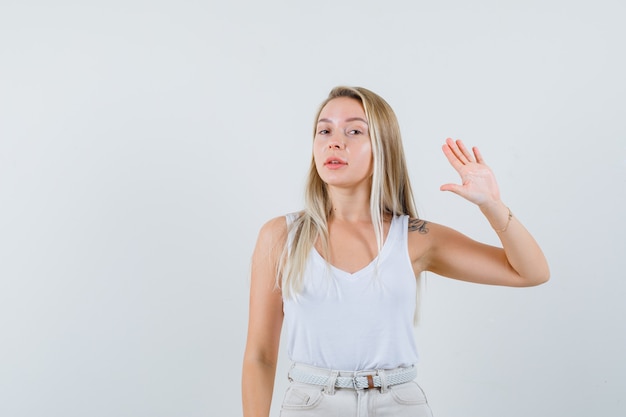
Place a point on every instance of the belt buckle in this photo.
(370, 382)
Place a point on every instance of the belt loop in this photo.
(330, 386)
(383, 380)
(293, 365)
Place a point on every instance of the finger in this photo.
(464, 150)
(452, 157)
(454, 147)
(478, 155)
(455, 188)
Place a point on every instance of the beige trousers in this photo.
(306, 400)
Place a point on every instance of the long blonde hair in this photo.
(390, 194)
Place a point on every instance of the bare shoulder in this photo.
(419, 241)
(420, 231)
(424, 227)
(418, 225)
(267, 252)
(426, 231)
(275, 225)
(422, 238)
(273, 232)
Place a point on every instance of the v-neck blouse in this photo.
(356, 321)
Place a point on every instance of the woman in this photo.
(342, 274)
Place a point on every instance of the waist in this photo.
(365, 379)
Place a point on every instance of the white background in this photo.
(144, 143)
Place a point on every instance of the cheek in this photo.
(366, 155)
(318, 155)
(317, 152)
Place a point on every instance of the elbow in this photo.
(532, 276)
(542, 279)
(544, 276)
(538, 278)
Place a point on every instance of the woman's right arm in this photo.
(264, 322)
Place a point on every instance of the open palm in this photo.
(478, 184)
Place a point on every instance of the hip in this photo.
(385, 392)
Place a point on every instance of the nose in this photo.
(336, 143)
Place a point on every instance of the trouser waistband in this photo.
(377, 378)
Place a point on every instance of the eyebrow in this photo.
(351, 119)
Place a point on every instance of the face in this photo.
(342, 149)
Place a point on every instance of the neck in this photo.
(351, 205)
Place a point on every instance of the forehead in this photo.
(342, 108)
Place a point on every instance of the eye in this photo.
(322, 132)
(355, 132)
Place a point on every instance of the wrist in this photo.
(498, 214)
(493, 208)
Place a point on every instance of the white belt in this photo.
(373, 380)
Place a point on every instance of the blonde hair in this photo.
(390, 194)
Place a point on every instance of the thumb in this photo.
(455, 188)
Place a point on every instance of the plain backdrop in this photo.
(144, 143)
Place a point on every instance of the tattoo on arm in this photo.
(418, 225)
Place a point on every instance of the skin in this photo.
(342, 132)
(432, 247)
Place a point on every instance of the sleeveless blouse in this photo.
(355, 321)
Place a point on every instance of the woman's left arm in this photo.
(520, 262)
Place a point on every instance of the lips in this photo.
(335, 161)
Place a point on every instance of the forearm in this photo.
(521, 250)
(257, 387)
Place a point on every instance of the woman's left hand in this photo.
(478, 182)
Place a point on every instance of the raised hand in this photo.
(478, 182)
